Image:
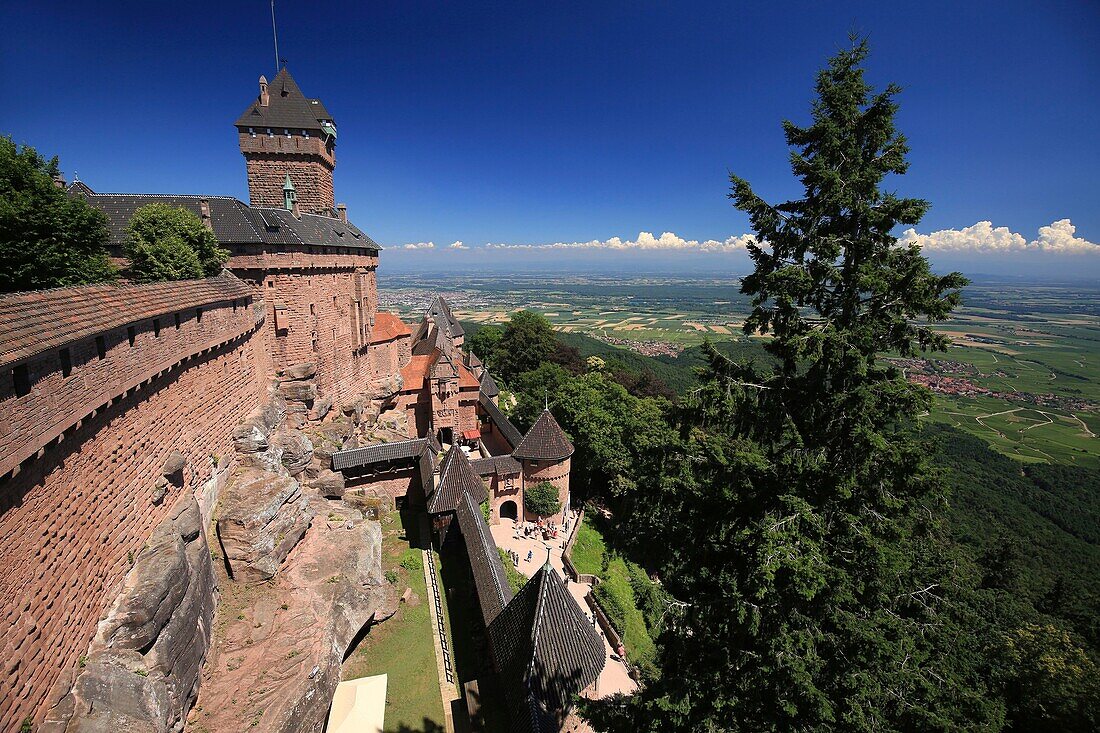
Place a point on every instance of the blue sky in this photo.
(540, 123)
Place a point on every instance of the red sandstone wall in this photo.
(69, 518)
(309, 161)
(313, 316)
(57, 401)
(556, 473)
(502, 489)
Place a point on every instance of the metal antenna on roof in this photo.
(275, 35)
(545, 399)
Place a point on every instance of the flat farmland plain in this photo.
(1023, 371)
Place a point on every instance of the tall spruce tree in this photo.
(817, 593)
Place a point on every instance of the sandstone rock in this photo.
(284, 657)
(160, 490)
(298, 391)
(305, 370)
(383, 389)
(329, 483)
(271, 412)
(321, 408)
(174, 465)
(262, 517)
(293, 448)
(142, 671)
(250, 437)
(329, 438)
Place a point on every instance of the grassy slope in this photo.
(402, 647)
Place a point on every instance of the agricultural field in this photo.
(1023, 372)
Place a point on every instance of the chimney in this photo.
(264, 98)
(204, 214)
(59, 181)
(342, 212)
(294, 209)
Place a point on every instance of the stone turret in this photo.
(284, 134)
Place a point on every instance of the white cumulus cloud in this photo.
(1059, 237)
(644, 241)
(457, 245)
(419, 245)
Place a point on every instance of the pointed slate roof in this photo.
(489, 385)
(545, 441)
(544, 650)
(440, 309)
(455, 478)
(493, 592)
(287, 107)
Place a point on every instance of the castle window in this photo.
(306, 134)
(156, 327)
(66, 363)
(22, 380)
(286, 132)
(270, 283)
(311, 311)
(270, 133)
(198, 315)
(101, 347)
(251, 132)
(131, 334)
(177, 317)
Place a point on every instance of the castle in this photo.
(122, 404)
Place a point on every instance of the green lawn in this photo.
(589, 549)
(615, 593)
(401, 647)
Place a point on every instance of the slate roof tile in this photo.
(456, 478)
(545, 441)
(490, 580)
(544, 650)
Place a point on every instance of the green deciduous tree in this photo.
(526, 342)
(618, 437)
(818, 589)
(542, 499)
(484, 342)
(170, 243)
(47, 238)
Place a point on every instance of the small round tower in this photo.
(545, 454)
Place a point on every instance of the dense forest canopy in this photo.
(841, 566)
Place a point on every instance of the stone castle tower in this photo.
(289, 145)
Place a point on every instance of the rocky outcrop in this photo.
(261, 517)
(142, 671)
(329, 484)
(293, 448)
(276, 662)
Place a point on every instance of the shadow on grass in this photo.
(428, 726)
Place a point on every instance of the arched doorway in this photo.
(509, 510)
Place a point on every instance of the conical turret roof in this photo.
(545, 441)
(545, 651)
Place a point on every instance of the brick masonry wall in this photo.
(56, 401)
(70, 518)
(314, 315)
(309, 161)
(557, 473)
